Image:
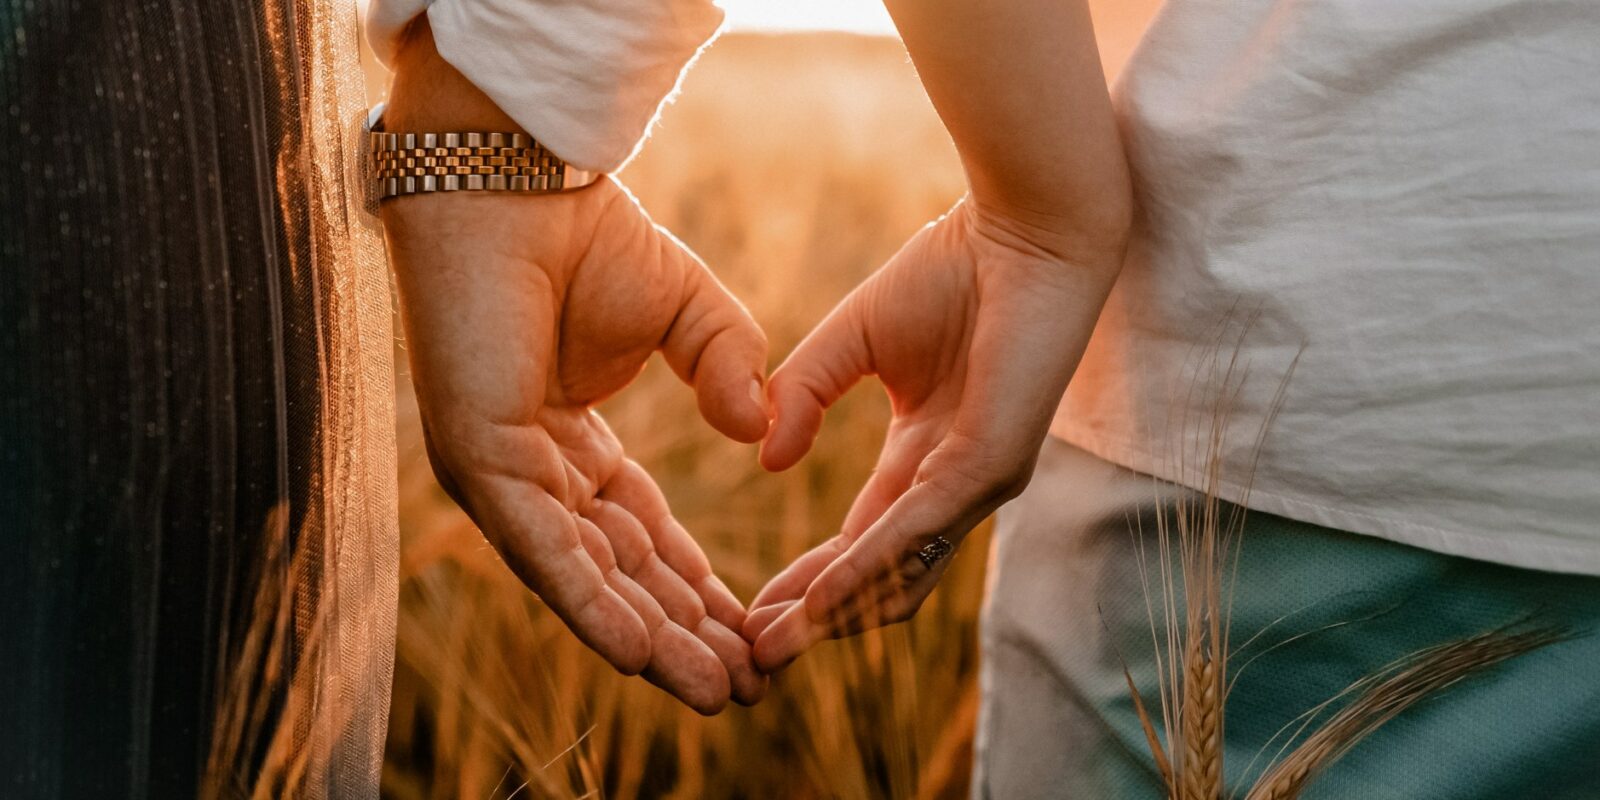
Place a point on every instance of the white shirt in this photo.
(1410, 191)
(1405, 195)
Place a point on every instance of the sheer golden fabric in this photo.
(197, 504)
(338, 701)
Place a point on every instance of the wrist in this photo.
(427, 93)
(1095, 237)
(440, 133)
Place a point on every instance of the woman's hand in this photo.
(522, 312)
(974, 328)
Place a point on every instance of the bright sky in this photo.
(856, 16)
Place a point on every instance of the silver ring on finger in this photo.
(935, 551)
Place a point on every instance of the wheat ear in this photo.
(1192, 676)
(1202, 723)
(1388, 692)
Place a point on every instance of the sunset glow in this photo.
(854, 16)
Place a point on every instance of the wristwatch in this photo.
(411, 163)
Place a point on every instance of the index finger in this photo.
(925, 512)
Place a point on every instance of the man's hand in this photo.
(974, 327)
(521, 313)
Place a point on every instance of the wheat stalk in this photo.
(1192, 661)
(1390, 691)
(1194, 549)
(1194, 673)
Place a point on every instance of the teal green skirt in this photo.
(1065, 601)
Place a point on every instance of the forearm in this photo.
(1019, 85)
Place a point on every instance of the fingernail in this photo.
(760, 397)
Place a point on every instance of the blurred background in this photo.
(800, 154)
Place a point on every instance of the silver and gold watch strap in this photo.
(411, 163)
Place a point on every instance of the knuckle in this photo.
(756, 334)
(784, 382)
(440, 463)
(1016, 486)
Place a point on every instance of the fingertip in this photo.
(758, 620)
(831, 359)
(773, 658)
(733, 406)
(751, 428)
(635, 657)
(716, 347)
(758, 395)
(777, 458)
(770, 459)
(756, 693)
(630, 663)
(757, 415)
(712, 704)
(690, 670)
(748, 684)
(797, 419)
(707, 706)
(784, 640)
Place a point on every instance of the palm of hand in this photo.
(528, 312)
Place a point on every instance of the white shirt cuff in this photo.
(585, 77)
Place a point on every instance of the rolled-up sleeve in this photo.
(585, 77)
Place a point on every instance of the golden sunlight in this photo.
(852, 16)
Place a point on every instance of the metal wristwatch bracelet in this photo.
(413, 163)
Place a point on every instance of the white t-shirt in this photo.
(1406, 195)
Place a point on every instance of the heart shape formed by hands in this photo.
(524, 311)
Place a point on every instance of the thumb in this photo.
(830, 361)
(716, 347)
